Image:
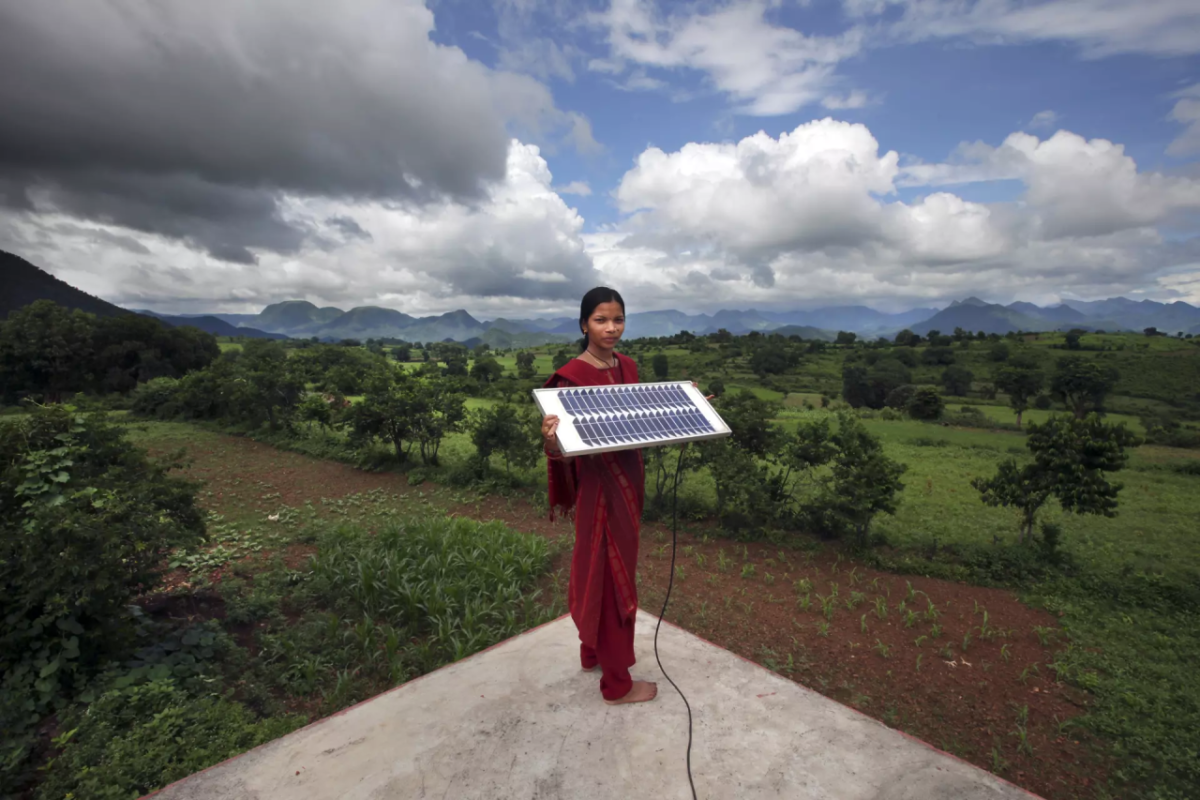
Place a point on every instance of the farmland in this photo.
(1071, 675)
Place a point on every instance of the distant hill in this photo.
(806, 332)
(217, 327)
(1122, 313)
(975, 315)
(293, 316)
(22, 283)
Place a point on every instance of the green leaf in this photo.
(49, 669)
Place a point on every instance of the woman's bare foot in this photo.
(640, 693)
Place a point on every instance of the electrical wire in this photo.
(670, 583)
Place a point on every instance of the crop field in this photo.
(1071, 674)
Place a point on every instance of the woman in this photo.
(605, 491)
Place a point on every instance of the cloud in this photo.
(1097, 27)
(1187, 111)
(1075, 186)
(516, 250)
(813, 216)
(1044, 119)
(575, 187)
(192, 120)
(766, 69)
(855, 99)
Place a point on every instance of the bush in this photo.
(133, 741)
(156, 399)
(85, 523)
(1042, 402)
(925, 403)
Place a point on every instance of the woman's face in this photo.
(605, 325)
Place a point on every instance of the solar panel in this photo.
(595, 419)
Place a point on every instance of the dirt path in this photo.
(962, 667)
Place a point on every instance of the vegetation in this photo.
(852, 442)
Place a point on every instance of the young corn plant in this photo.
(910, 619)
(862, 623)
(935, 631)
(881, 608)
(805, 603)
(723, 561)
(911, 595)
(882, 648)
(931, 612)
(803, 586)
(1004, 652)
(747, 571)
(919, 657)
(823, 629)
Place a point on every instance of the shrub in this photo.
(925, 403)
(85, 523)
(156, 398)
(133, 741)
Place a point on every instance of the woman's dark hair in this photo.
(601, 294)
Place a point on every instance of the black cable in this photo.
(670, 583)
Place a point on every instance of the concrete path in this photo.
(521, 720)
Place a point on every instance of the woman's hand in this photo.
(550, 431)
(710, 397)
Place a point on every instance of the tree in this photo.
(506, 430)
(402, 353)
(659, 364)
(1073, 341)
(770, 360)
(440, 409)
(870, 387)
(845, 337)
(998, 352)
(487, 370)
(265, 383)
(1070, 459)
(45, 349)
(716, 386)
(560, 360)
(525, 369)
(926, 404)
(938, 356)
(1021, 383)
(388, 411)
(845, 477)
(957, 380)
(1082, 384)
(907, 338)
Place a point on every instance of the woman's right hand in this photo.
(550, 430)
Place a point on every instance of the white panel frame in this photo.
(571, 443)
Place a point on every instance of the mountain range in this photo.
(23, 283)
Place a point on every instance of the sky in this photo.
(506, 157)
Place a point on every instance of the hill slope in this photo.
(24, 283)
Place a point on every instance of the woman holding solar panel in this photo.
(605, 493)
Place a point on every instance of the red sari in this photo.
(604, 493)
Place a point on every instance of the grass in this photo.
(366, 603)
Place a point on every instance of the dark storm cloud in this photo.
(189, 119)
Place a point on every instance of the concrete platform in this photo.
(521, 720)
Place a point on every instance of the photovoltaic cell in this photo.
(635, 415)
